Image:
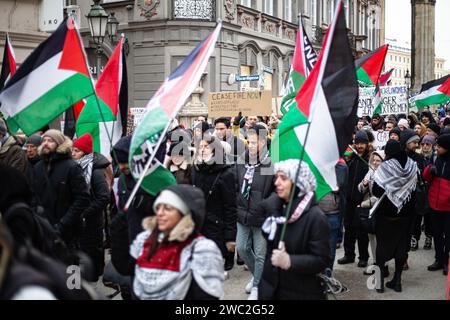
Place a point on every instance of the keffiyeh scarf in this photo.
(86, 163)
(270, 225)
(399, 183)
(248, 178)
(306, 180)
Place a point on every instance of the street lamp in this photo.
(408, 86)
(98, 20)
(408, 79)
(112, 26)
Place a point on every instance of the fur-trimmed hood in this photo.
(64, 148)
(184, 228)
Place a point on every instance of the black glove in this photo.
(237, 119)
(433, 170)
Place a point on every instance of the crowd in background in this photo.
(63, 200)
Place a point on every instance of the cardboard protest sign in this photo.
(381, 138)
(394, 100)
(229, 103)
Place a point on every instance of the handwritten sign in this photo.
(229, 103)
(381, 138)
(394, 100)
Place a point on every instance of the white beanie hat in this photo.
(171, 198)
(404, 123)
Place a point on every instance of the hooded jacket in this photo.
(14, 188)
(307, 241)
(217, 181)
(61, 189)
(186, 265)
(11, 154)
(439, 192)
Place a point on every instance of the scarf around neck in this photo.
(86, 163)
(248, 177)
(398, 182)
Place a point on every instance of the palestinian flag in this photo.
(328, 101)
(161, 110)
(106, 121)
(377, 103)
(368, 67)
(348, 152)
(8, 64)
(385, 78)
(304, 60)
(53, 78)
(434, 92)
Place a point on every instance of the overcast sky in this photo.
(398, 25)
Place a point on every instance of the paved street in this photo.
(418, 283)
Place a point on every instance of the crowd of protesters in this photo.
(230, 205)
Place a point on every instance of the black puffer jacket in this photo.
(217, 181)
(61, 189)
(357, 170)
(262, 188)
(91, 240)
(307, 241)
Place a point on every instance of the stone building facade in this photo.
(399, 58)
(258, 37)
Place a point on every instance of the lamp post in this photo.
(112, 25)
(408, 85)
(98, 21)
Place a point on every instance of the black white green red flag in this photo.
(434, 92)
(303, 62)
(368, 67)
(9, 63)
(328, 100)
(161, 110)
(104, 116)
(53, 78)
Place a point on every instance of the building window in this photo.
(268, 7)
(247, 3)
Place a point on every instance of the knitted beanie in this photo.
(84, 143)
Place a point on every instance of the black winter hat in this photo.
(179, 148)
(444, 141)
(446, 121)
(122, 149)
(194, 199)
(396, 130)
(445, 131)
(407, 136)
(427, 114)
(435, 128)
(361, 137)
(392, 148)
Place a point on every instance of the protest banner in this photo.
(135, 116)
(381, 138)
(394, 100)
(229, 103)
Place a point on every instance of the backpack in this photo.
(46, 239)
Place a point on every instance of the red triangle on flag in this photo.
(108, 85)
(73, 57)
(445, 87)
